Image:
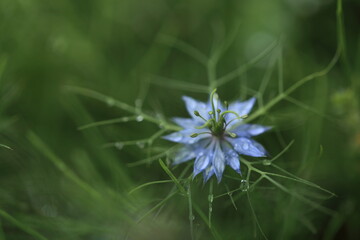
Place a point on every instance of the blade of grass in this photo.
(149, 140)
(341, 35)
(178, 85)
(277, 156)
(210, 201)
(301, 198)
(308, 108)
(296, 178)
(107, 122)
(22, 226)
(149, 184)
(172, 176)
(255, 217)
(3, 62)
(156, 206)
(237, 72)
(203, 216)
(2, 234)
(41, 147)
(151, 159)
(184, 47)
(191, 215)
(229, 193)
(116, 103)
(4, 146)
(295, 86)
(280, 70)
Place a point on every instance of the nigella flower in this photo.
(215, 136)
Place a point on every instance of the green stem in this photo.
(211, 71)
(191, 215)
(22, 226)
(298, 84)
(103, 98)
(212, 103)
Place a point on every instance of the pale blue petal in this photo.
(208, 173)
(218, 162)
(242, 108)
(188, 152)
(184, 154)
(247, 130)
(234, 163)
(184, 136)
(202, 161)
(194, 105)
(246, 146)
(232, 158)
(186, 122)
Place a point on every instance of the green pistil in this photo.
(208, 123)
(212, 103)
(228, 111)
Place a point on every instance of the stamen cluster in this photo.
(217, 123)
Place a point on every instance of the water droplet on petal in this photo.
(267, 162)
(244, 185)
(245, 146)
(119, 145)
(176, 137)
(139, 118)
(110, 102)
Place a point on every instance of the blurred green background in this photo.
(59, 182)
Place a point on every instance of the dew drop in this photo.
(140, 144)
(139, 118)
(176, 137)
(110, 102)
(138, 103)
(245, 146)
(244, 185)
(192, 217)
(119, 145)
(211, 198)
(266, 162)
(210, 209)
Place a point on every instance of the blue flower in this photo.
(215, 136)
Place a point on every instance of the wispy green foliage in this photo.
(88, 90)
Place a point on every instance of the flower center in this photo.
(217, 123)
